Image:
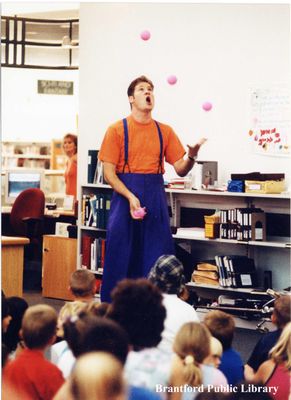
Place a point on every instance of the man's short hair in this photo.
(282, 310)
(135, 82)
(39, 326)
(82, 283)
(221, 326)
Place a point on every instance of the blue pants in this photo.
(133, 246)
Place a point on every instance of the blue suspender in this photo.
(125, 127)
(161, 148)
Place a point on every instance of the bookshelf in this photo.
(92, 234)
(271, 254)
(47, 155)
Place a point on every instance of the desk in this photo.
(12, 264)
(51, 217)
(48, 213)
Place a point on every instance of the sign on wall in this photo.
(55, 87)
(270, 128)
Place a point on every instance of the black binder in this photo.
(92, 164)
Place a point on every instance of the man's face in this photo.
(143, 97)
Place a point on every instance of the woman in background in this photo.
(70, 146)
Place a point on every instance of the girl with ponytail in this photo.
(191, 347)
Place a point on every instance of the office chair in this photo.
(26, 219)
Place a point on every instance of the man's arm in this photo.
(183, 166)
(119, 187)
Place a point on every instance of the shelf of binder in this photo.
(95, 210)
(243, 224)
(228, 271)
(212, 225)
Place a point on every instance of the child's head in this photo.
(17, 308)
(281, 352)
(282, 311)
(68, 310)
(39, 326)
(83, 284)
(5, 314)
(221, 326)
(168, 274)
(137, 305)
(214, 358)
(192, 345)
(87, 332)
(98, 309)
(97, 375)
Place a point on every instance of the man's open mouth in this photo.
(148, 100)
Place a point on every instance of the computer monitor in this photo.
(20, 179)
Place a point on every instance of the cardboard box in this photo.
(265, 186)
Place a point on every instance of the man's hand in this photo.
(193, 150)
(134, 205)
(183, 166)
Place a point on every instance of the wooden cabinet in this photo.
(59, 261)
(12, 264)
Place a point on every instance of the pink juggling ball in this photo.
(172, 79)
(140, 213)
(207, 106)
(145, 35)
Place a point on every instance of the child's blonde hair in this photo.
(281, 352)
(216, 351)
(38, 326)
(192, 345)
(97, 375)
(69, 309)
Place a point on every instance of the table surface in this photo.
(48, 213)
(14, 240)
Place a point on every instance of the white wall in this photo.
(217, 51)
(29, 116)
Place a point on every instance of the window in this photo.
(39, 43)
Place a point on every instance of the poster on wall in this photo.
(270, 125)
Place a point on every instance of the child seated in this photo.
(107, 384)
(214, 358)
(222, 326)
(83, 285)
(191, 347)
(30, 374)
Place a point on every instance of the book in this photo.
(207, 266)
(204, 280)
(191, 232)
(86, 251)
(221, 270)
(246, 280)
(92, 165)
(242, 270)
(241, 264)
(206, 274)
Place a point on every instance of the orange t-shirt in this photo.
(71, 177)
(143, 146)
